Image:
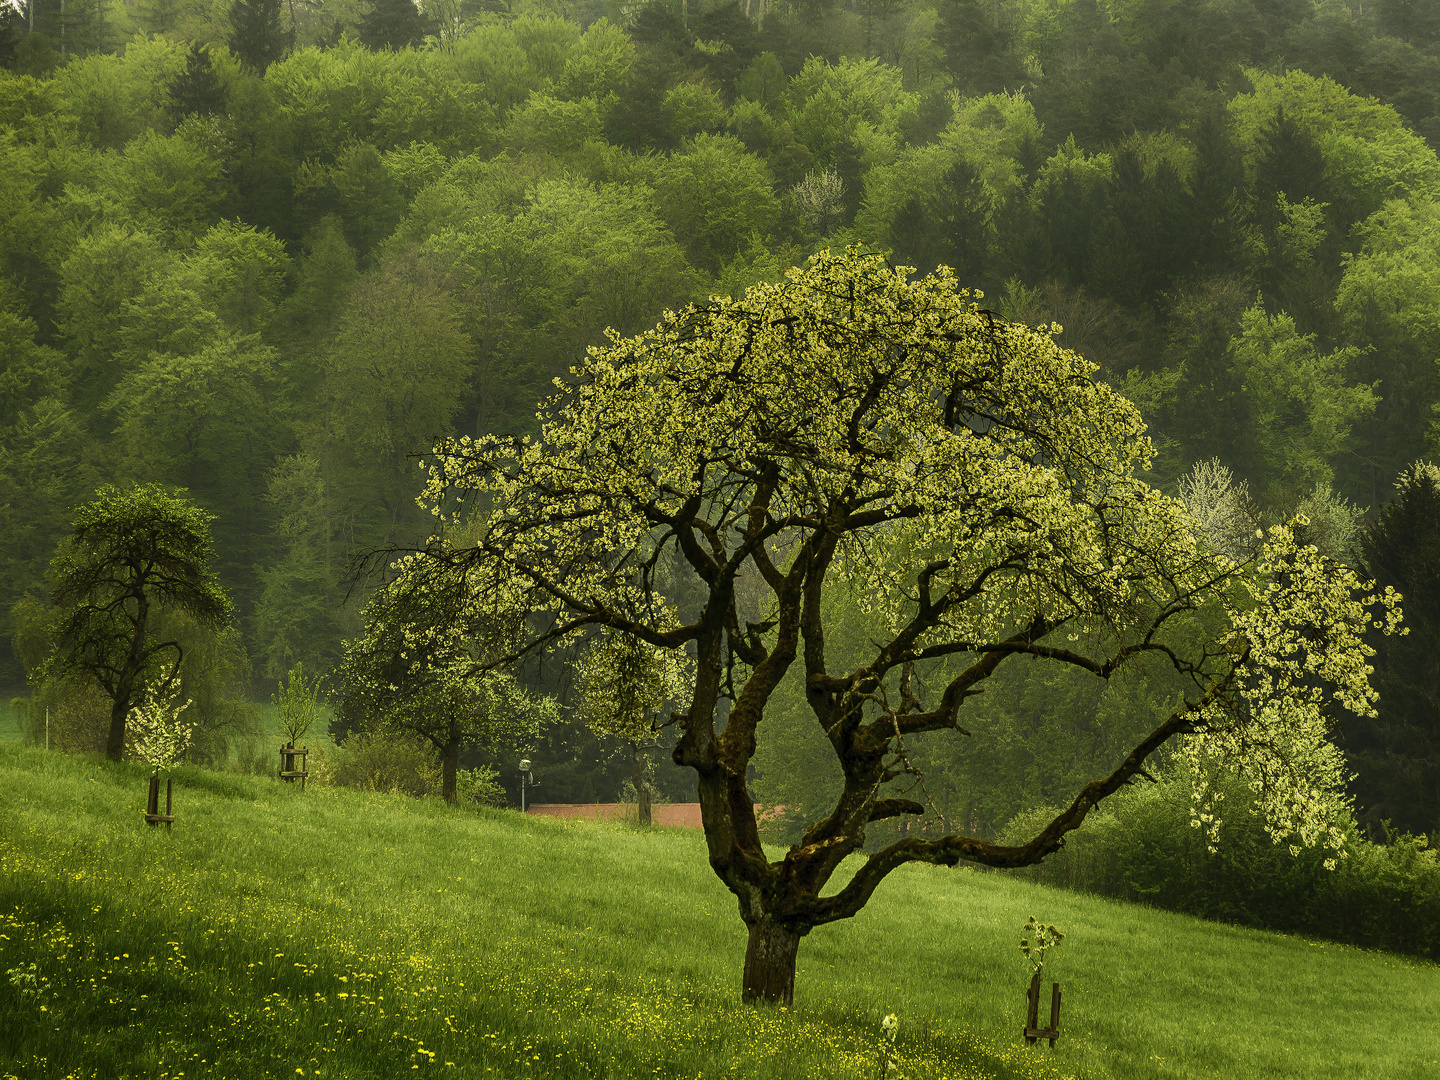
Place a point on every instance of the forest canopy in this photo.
(268, 253)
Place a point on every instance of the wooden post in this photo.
(1054, 1013)
(152, 804)
(1032, 1009)
(288, 753)
(1032, 1013)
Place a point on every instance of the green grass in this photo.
(261, 750)
(272, 728)
(342, 934)
(12, 728)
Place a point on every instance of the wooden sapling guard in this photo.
(298, 698)
(152, 806)
(160, 740)
(288, 772)
(1032, 1032)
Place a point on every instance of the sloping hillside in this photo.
(275, 933)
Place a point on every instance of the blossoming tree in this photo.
(156, 733)
(853, 428)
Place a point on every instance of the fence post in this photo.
(1032, 1010)
(1054, 1013)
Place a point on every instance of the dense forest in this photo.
(267, 253)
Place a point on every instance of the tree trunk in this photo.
(125, 684)
(770, 964)
(449, 762)
(642, 790)
(119, 710)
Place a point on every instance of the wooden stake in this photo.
(152, 804)
(1032, 1030)
(1054, 1013)
(1032, 1009)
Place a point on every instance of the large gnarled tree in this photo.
(853, 428)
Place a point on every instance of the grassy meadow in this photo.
(12, 727)
(335, 933)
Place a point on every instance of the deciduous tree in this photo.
(852, 428)
(1300, 403)
(420, 666)
(393, 377)
(627, 683)
(133, 554)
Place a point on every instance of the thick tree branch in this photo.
(950, 850)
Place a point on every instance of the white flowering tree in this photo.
(155, 731)
(1222, 509)
(421, 665)
(853, 428)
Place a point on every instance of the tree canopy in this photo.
(134, 555)
(244, 253)
(854, 427)
(422, 666)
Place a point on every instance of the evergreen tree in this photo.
(1396, 754)
(256, 35)
(12, 24)
(741, 41)
(978, 54)
(196, 90)
(1291, 164)
(947, 225)
(73, 27)
(393, 24)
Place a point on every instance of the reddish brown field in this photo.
(676, 815)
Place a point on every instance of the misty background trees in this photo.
(267, 252)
